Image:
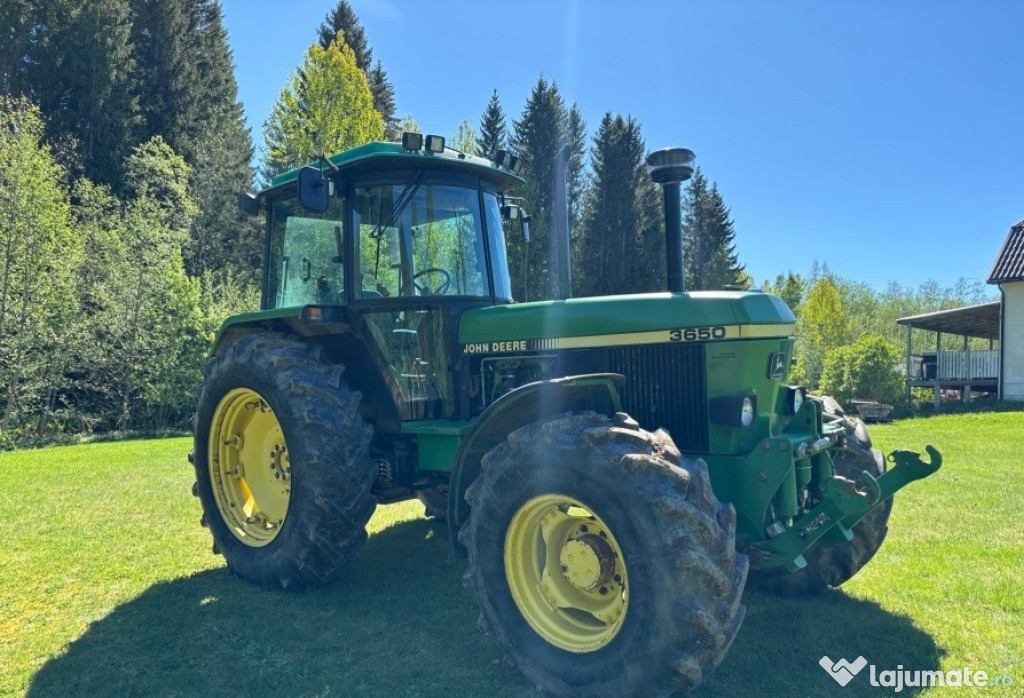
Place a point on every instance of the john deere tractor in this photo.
(611, 466)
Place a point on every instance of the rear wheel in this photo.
(602, 562)
(832, 565)
(281, 460)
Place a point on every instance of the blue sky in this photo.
(884, 138)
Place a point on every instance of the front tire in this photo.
(281, 460)
(601, 559)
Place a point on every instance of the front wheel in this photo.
(601, 559)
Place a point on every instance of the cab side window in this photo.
(306, 255)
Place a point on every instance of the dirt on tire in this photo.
(678, 542)
(328, 442)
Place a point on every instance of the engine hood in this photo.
(621, 320)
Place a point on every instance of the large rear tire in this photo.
(601, 559)
(832, 565)
(282, 465)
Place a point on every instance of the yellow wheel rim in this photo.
(249, 468)
(566, 573)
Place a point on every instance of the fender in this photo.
(517, 408)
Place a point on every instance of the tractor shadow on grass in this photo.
(400, 623)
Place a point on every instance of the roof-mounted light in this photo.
(412, 141)
(505, 159)
(435, 144)
(670, 165)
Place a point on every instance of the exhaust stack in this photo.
(670, 168)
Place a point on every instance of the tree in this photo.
(866, 369)
(576, 136)
(789, 287)
(493, 132)
(326, 107)
(220, 156)
(141, 311)
(343, 19)
(83, 80)
(464, 139)
(821, 327)
(709, 257)
(537, 138)
(621, 248)
(38, 249)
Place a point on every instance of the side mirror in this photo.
(314, 194)
(249, 204)
(511, 212)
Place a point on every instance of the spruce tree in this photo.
(343, 19)
(82, 77)
(709, 257)
(537, 138)
(221, 156)
(621, 244)
(493, 132)
(384, 99)
(576, 136)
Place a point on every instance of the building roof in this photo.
(973, 321)
(1009, 264)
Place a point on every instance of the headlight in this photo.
(747, 411)
(795, 399)
(737, 411)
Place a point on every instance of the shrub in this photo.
(866, 369)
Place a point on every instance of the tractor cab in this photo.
(394, 241)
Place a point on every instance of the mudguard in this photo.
(517, 408)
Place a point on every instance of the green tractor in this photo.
(611, 467)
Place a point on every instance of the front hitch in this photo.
(843, 503)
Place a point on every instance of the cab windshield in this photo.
(420, 238)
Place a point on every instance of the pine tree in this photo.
(166, 70)
(709, 257)
(621, 245)
(493, 132)
(576, 136)
(16, 37)
(82, 78)
(221, 157)
(326, 107)
(343, 19)
(384, 99)
(537, 138)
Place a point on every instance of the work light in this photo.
(412, 141)
(435, 144)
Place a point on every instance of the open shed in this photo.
(964, 370)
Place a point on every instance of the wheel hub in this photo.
(587, 562)
(566, 573)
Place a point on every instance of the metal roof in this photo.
(973, 321)
(1009, 264)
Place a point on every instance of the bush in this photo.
(865, 370)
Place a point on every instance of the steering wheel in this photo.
(426, 290)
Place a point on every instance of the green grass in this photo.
(108, 587)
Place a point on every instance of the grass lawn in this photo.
(108, 587)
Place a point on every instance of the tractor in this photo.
(612, 468)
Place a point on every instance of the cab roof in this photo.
(380, 156)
